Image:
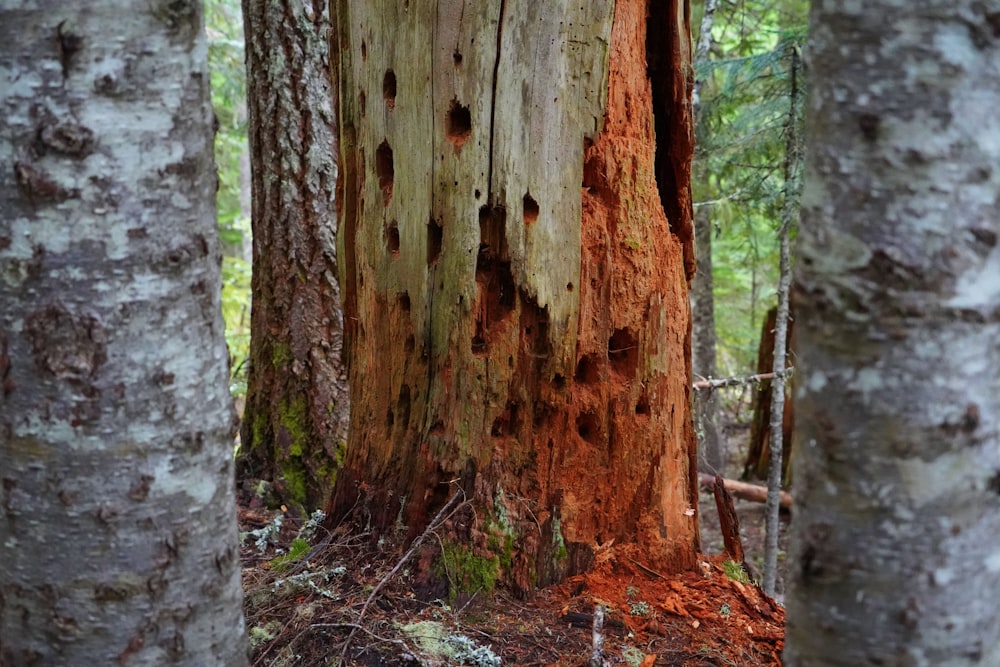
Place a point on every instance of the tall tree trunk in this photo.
(703, 353)
(711, 457)
(894, 553)
(516, 303)
(118, 537)
(295, 424)
(782, 316)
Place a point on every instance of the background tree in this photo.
(515, 295)
(704, 362)
(741, 146)
(117, 519)
(226, 61)
(894, 553)
(789, 214)
(295, 420)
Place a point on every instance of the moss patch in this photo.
(292, 417)
(467, 572)
(293, 474)
(282, 355)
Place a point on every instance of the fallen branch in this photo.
(736, 380)
(743, 490)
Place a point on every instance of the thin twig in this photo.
(439, 519)
(652, 573)
(354, 628)
(709, 383)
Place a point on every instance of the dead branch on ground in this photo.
(743, 490)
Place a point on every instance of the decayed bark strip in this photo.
(744, 491)
(729, 522)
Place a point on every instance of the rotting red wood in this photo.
(753, 492)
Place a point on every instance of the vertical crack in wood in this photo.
(671, 82)
(493, 103)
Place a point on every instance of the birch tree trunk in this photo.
(515, 296)
(295, 423)
(895, 558)
(118, 539)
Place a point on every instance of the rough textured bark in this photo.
(894, 555)
(118, 536)
(515, 301)
(295, 424)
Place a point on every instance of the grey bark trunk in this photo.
(789, 212)
(118, 539)
(711, 453)
(895, 559)
(295, 423)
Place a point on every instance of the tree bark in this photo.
(118, 537)
(295, 424)
(894, 557)
(515, 296)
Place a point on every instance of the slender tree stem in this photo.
(780, 335)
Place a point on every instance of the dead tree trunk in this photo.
(515, 295)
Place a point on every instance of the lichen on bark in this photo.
(117, 513)
(893, 551)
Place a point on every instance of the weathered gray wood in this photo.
(515, 302)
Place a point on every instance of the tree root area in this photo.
(306, 606)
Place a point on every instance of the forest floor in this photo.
(314, 599)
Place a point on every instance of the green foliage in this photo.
(740, 162)
(236, 312)
(735, 571)
(224, 27)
